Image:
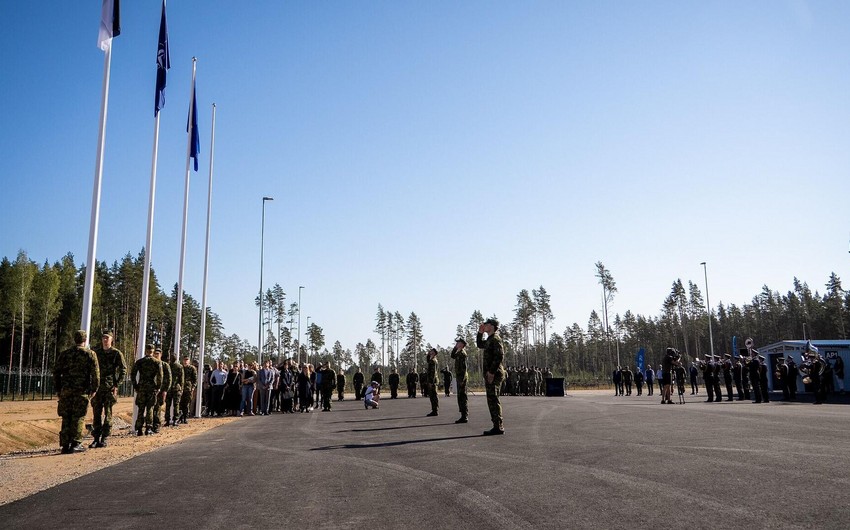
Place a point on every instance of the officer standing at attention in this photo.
(431, 381)
(492, 356)
(163, 389)
(340, 385)
(447, 381)
(328, 386)
(190, 381)
(412, 379)
(358, 383)
(394, 381)
(147, 379)
(727, 375)
(459, 355)
(76, 378)
(175, 391)
(110, 361)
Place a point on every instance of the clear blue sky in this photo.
(440, 156)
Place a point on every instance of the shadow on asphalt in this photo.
(377, 419)
(396, 428)
(391, 444)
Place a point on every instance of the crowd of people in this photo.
(744, 377)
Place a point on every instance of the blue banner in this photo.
(639, 359)
(734, 346)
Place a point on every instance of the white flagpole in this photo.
(143, 315)
(88, 290)
(198, 388)
(178, 324)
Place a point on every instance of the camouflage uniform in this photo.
(493, 353)
(431, 381)
(175, 391)
(112, 372)
(459, 355)
(160, 396)
(147, 379)
(190, 381)
(75, 376)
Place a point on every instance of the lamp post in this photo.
(708, 303)
(299, 323)
(308, 339)
(262, 248)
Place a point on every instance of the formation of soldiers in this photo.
(159, 384)
(525, 381)
(741, 378)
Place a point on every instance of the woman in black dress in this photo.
(304, 389)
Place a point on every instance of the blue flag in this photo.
(163, 63)
(195, 148)
(735, 351)
(639, 359)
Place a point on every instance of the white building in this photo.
(829, 349)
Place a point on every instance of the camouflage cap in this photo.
(108, 333)
(158, 349)
(80, 336)
(493, 322)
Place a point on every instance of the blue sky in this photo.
(438, 157)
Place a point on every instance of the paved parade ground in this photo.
(589, 460)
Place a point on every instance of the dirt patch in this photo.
(29, 446)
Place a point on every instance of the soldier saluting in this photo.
(459, 355)
(492, 356)
(432, 382)
(76, 378)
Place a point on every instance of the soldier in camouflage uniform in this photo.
(190, 382)
(147, 380)
(328, 386)
(493, 353)
(76, 378)
(175, 392)
(163, 390)
(431, 382)
(110, 361)
(459, 355)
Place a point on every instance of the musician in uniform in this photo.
(727, 375)
(753, 370)
(718, 395)
(737, 376)
(763, 371)
(707, 376)
(781, 377)
(791, 380)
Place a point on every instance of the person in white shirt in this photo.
(218, 379)
(371, 399)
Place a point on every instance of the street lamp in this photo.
(299, 323)
(308, 339)
(708, 303)
(262, 248)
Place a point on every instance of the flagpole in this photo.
(88, 290)
(143, 315)
(179, 322)
(198, 396)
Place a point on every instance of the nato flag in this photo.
(163, 63)
(195, 148)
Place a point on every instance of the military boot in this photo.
(139, 432)
(95, 442)
(102, 442)
(64, 450)
(497, 429)
(149, 430)
(463, 419)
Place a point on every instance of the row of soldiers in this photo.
(525, 381)
(82, 376)
(158, 383)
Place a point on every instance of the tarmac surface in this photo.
(589, 460)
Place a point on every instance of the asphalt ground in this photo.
(590, 460)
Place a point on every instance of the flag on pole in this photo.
(110, 24)
(163, 63)
(193, 115)
(639, 359)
